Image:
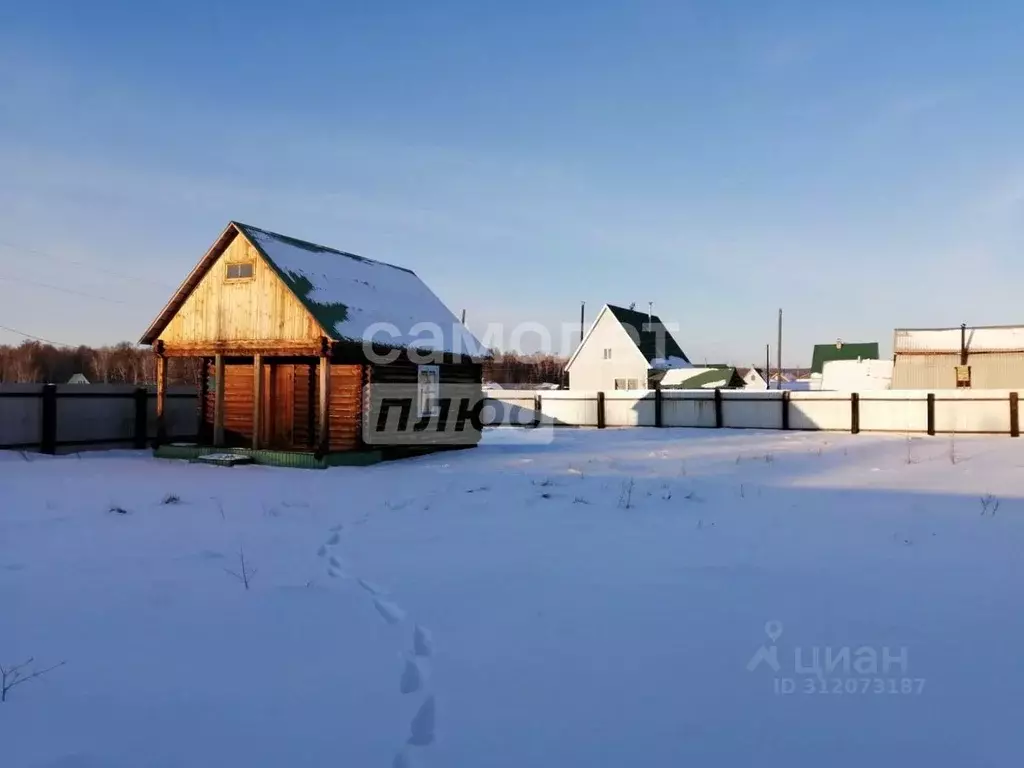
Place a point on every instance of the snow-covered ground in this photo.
(615, 598)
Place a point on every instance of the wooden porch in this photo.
(272, 398)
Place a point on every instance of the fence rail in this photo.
(49, 417)
(904, 411)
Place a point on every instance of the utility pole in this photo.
(767, 366)
(778, 350)
(583, 305)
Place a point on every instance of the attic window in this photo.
(241, 271)
(607, 353)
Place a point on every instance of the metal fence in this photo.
(51, 417)
(902, 411)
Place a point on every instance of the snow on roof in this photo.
(983, 339)
(678, 376)
(359, 299)
(669, 363)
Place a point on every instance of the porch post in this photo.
(324, 436)
(204, 390)
(257, 400)
(218, 402)
(161, 395)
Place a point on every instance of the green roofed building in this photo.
(624, 349)
(841, 350)
(308, 350)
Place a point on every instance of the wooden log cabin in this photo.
(310, 350)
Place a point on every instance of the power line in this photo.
(92, 267)
(34, 338)
(61, 289)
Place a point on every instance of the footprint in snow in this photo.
(374, 589)
(422, 641)
(421, 729)
(333, 540)
(413, 676)
(390, 612)
(405, 759)
(335, 562)
(322, 552)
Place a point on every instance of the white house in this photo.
(624, 349)
(752, 378)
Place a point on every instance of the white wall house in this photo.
(752, 378)
(624, 349)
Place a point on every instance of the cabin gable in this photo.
(240, 298)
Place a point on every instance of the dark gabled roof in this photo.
(650, 334)
(825, 353)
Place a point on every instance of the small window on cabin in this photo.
(240, 271)
(428, 391)
(608, 353)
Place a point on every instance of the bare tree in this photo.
(246, 575)
(19, 673)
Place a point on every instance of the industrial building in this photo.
(983, 357)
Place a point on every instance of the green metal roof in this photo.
(647, 331)
(825, 353)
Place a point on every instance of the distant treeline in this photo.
(36, 362)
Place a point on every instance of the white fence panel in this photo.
(629, 408)
(820, 410)
(685, 408)
(987, 411)
(752, 410)
(896, 411)
(569, 407)
(509, 409)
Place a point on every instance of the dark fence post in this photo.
(658, 420)
(48, 436)
(600, 410)
(854, 412)
(141, 417)
(931, 413)
(1014, 419)
(536, 410)
(718, 407)
(785, 409)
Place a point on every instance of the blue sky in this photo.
(859, 164)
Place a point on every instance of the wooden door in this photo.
(279, 406)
